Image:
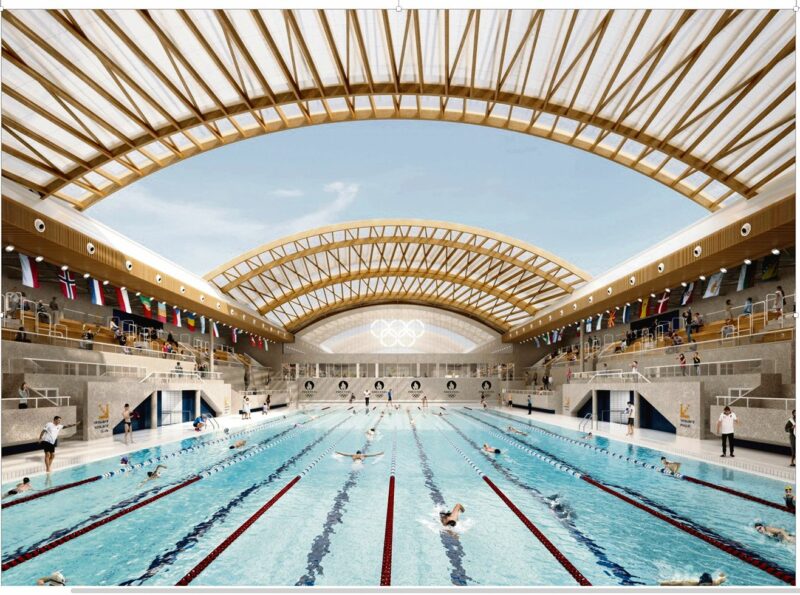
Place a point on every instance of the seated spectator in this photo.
(728, 330)
(13, 301)
(697, 322)
(87, 339)
(41, 311)
(22, 336)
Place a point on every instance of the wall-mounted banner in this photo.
(686, 419)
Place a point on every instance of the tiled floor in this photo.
(754, 461)
(76, 452)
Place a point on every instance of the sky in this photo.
(206, 210)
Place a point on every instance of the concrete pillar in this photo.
(580, 334)
(636, 401)
(196, 403)
(154, 410)
(595, 413)
(211, 347)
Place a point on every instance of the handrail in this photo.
(633, 375)
(73, 368)
(36, 400)
(586, 419)
(173, 375)
(718, 368)
(728, 400)
(105, 347)
(592, 373)
(520, 391)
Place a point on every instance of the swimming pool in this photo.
(285, 509)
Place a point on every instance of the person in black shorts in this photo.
(24, 486)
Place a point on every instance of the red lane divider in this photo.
(738, 493)
(386, 567)
(43, 493)
(766, 567)
(215, 553)
(562, 559)
(29, 555)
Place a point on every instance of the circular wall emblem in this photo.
(486, 385)
(415, 385)
(343, 385)
(309, 385)
(379, 385)
(451, 385)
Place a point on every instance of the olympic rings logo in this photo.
(397, 333)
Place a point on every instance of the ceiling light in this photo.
(683, 283)
(652, 295)
(9, 248)
(639, 300)
(775, 251)
(85, 275)
(105, 282)
(702, 277)
(39, 258)
(748, 262)
(667, 290)
(138, 293)
(65, 268)
(723, 270)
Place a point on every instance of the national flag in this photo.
(713, 286)
(686, 296)
(663, 303)
(202, 325)
(215, 330)
(769, 267)
(234, 335)
(147, 306)
(67, 282)
(536, 341)
(599, 322)
(626, 315)
(260, 342)
(123, 301)
(96, 291)
(162, 312)
(266, 345)
(612, 319)
(746, 275)
(645, 304)
(589, 324)
(30, 271)
(191, 321)
(176, 316)
(252, 341)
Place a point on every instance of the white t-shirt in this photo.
(631, 411)
(51, 431)
(366, 394)
(726, 423)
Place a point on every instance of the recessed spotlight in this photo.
(702, 277)
(86, 275)
(138, 293)
(105, 282)
(627, 303)
(639, 300)
(668, 290)
(652, 295)
(723, 270)
(775, 251)
(683, 284)
(39, 258)
(748, 262)
(9, 248)
(64, 268)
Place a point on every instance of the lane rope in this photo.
(386, 566)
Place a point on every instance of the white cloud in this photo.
(287, 192)
(201, 236)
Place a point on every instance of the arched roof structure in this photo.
(490, 277)
(702, 101)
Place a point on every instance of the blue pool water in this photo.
(328, 529)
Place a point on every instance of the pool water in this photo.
(328, 528)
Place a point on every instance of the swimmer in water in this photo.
(23, 486)
(358, 455)
(53, 580)
(775, 533)
(153, 475)
(586, 436)
(513, 430)
(562, 510)
(491, 449)
(672, 466)
(705, 580)
(788, 497)
(237, 444)
(450, 518)
(371, 432)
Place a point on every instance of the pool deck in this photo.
(75, 452)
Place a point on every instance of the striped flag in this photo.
(147, 306)
(663, 303)
(626, 315)
(266, 345)
(536, 341)
(30, 272)
(191, 321)
(176, 316)
(686, 296)
(234, 335)
(252, 341)
(123, 301)
(215, 330)
(599, 322)
(162, 312)
(589, 324)
(645, 304)
(746, 276)
(96, 292)
(67, 282)
(202, 325)
(612, 319)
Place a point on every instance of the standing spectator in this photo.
(13, 301)
(55, 311)
(268, 402)
(22, 336)
(48, 438)
(127, 422)
(635, 369)
(696, 363)
(725, 427)
(24, 395)
(748, 307)
(780, 300)
(728, 312)
(41, 311)
(535, 378)
(630, 413)
(697, 323)
(530, 405)
(682, 363)
(569, 374)
(687, 324)
(546, 382)
(791, 429)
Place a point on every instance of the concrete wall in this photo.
(21, 426)
(758, 425)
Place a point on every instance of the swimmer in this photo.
(705, 580)
(673, 466)
(23, 486)
(450, 518)
(562, 510)
(358, 455)
(237, 444)
(775, 533)
(371, 432)
(199, 423)
(153, 475)
(513, 430)
(788, 497)
(587, 436)
(53, 580)
(124, 461)
(491, 449)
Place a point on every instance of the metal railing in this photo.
(534, 392)
(39, 402)
(728, 400)
(588, 375)
(609, 375)
(73, 368)
(584, 422)
(620, 413)
(723, 368)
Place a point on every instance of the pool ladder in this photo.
(586, 419)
